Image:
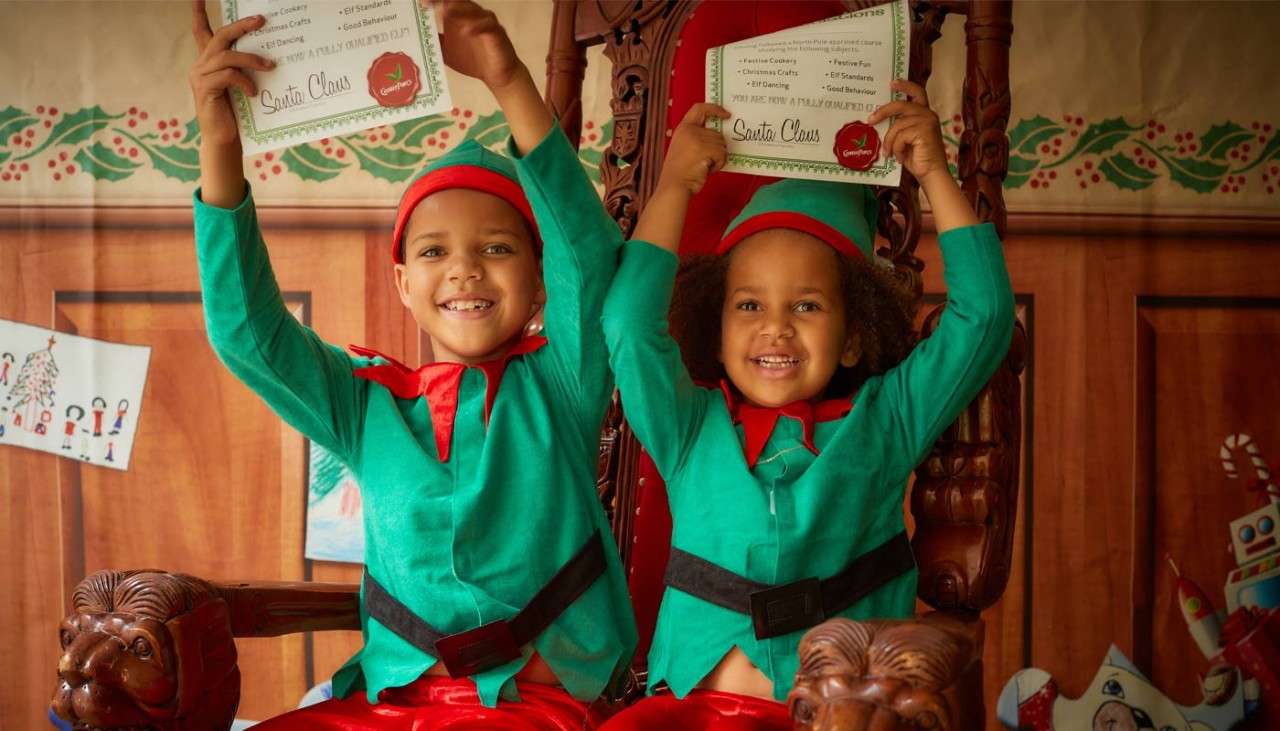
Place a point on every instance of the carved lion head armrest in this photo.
(890, 675)
(151, 649)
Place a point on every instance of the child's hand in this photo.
(475, 44)
(218, 68)
(915, 138)
(695, 150)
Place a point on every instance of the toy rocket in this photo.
(1197, 611)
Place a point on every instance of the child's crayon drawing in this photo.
(44, 374)
(335, 517)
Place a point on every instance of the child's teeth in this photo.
(467, 305)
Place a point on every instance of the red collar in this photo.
(758, 421)
(439, 382)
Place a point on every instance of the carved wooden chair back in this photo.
(965, 493)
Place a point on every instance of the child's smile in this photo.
(467, 307)
(777, 363)
(783, 330)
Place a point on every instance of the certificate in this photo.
(800, 97)
(341, 66)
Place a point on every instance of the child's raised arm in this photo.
(474, 44)
(579, 240)
(695, 153)
(662, 403)
(915, 139)
(217, 69)
(305, 380)
(920, 396)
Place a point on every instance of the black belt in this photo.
(777, 610)
(496, 643)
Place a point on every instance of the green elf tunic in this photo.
(797, 513)
(466, 538)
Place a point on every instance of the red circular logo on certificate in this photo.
(857, 146)
(394, 80)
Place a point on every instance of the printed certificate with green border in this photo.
(799, 97)
(342, 66)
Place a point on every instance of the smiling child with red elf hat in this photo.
(488, 556)
(786, 482)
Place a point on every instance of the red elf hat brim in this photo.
(792, 220)
(468, 177)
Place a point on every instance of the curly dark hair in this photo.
(876, 303)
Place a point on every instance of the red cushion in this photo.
(711, 24)
(651, 545)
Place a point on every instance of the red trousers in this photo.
(708, 710)
(432, 703)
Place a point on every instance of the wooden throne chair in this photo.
(965, 493)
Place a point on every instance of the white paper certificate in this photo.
(342, 66)
(799, 97)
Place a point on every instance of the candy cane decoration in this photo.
(1245, 442)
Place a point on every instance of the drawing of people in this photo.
(122, 408)
(110, 446)
(99, 406)
(42, 427)
(69, 429)
(6, 361)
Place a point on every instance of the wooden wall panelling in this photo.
(1057, 516)
(1146, 337)
(1205, 369)
(217, 483)
(1121, 493)
(30, 547)
(1202, 328)
(1096, 528)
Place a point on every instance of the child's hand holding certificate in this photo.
(800, 97)
(340, 66)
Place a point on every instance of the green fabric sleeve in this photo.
(308, 382)
(658, 396)
(925, 393)
(579, 255)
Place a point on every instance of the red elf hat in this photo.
(470, 166)
(841, 214)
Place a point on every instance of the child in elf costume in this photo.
(492, 594)
(786, 482)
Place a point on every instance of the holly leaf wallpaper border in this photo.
(1129, 156)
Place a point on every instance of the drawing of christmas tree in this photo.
(327, 473)
(33, 389)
